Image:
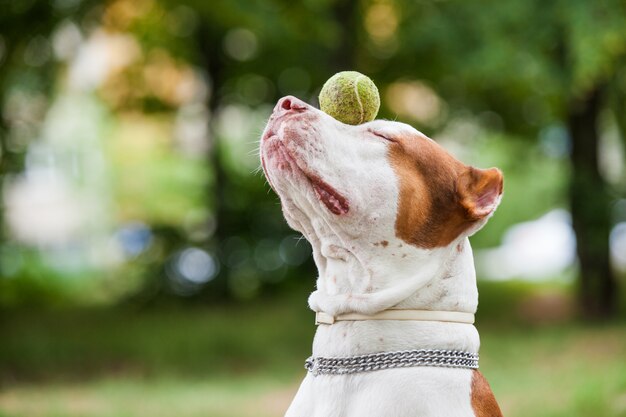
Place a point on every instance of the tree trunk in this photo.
(345, 13)
(211, 57)
(590, 207)
(619, 108)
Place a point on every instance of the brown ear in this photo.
(479, 191)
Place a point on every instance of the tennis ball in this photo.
(350, 97)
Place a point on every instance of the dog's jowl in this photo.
(388, 213)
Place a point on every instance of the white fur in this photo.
(357, 273)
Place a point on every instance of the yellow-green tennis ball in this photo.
(350, 97)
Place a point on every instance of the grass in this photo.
(573, 370)
(247, 361)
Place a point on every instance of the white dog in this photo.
(388, 213)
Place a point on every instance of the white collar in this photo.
(398, 314)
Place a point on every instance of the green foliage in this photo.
(509, 69)
(187, 343)
(526, 60)
(42, 281)
(525, 197)
(153, 181)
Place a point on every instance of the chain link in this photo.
(387, 360)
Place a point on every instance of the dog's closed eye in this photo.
(382, 135)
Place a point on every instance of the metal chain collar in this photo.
(387, 360)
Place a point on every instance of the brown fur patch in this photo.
(484, 402)
(432, 210)
(428, 215)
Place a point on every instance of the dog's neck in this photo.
(349, 282)
(452, 288)
(444, 280)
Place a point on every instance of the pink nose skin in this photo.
(289, 104)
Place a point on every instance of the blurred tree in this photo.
(527, 67)
(16, 65)
(28, 71)
(536, 65)
(545, 75)
(234, 40)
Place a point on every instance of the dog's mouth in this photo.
(285, 160)
(335, 202)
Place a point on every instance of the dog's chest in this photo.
(423, 392)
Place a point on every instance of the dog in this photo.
(388, 213)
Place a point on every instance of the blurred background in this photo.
(145, 268)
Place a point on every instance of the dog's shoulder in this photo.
(483, 401)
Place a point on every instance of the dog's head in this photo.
(383, 206)
(381, 181)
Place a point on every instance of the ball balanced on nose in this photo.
(350, 97)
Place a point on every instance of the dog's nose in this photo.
(290, 103)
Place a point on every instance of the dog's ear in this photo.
(479, 191)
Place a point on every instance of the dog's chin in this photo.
(282, 166)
